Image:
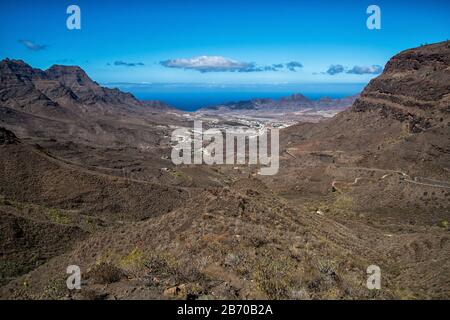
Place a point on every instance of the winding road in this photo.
(404, 177)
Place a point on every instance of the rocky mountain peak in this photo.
(19, 70)
(297, 97)
(421, 73)
(70, 76)
(414, 88)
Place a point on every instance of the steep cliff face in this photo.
(22, 87)
(414, 88)
(64, 102)
(17, 90)
(87, 90)
(401, 119)
(422, 73)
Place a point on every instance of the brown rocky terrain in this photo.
(85, 180)
(64, 103)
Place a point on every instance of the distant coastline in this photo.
(191, 97)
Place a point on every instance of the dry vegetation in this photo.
(370, 186)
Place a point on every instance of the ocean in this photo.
(190, 97)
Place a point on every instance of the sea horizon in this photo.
(191, 97)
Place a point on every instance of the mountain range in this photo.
(292, 103)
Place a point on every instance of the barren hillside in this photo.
(86, 180)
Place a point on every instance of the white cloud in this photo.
(210, 64)
(32, 45)
(374, 69)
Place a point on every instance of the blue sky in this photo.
(155, 41)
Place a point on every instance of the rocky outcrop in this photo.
(400, 121)
(7, 137)
(87, 90)
(414, 88)
(61, 92)
(63, 102)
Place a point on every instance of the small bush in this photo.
(105, 273)
(133, 262)
(445, 224)
(168, 267)
(276, 277)
(58, 217)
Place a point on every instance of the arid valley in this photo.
(86, 179)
